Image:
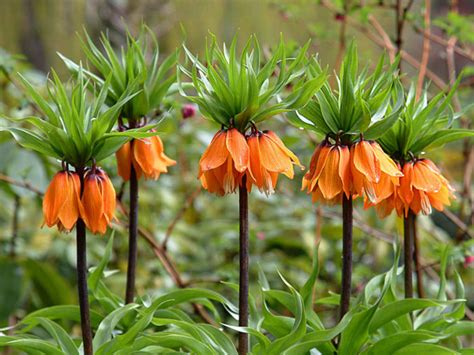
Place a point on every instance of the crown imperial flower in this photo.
(147, 156)
(329, 173)
(224, 162)
(423, 187)
(269, 157)
(373, 171)
(98, 201)
(61, 203)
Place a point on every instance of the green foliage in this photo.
(285, 322)
(455, 24)
(77, 128)
(147, 82)
(363, 103)
(423, 124)
(234, 90)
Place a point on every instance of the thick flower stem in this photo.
(81, 250)
(244, 267)
(346, 255)
(408, 253)
(418, 268)
(132, 236)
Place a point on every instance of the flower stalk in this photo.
(81, 250)
(408, 253)
(132, 236)
(346, 254)
(418, 267)
(244, 266)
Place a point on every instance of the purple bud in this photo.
(188, 110)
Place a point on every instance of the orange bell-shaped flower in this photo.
(98, 201)
(388, 198)
(147, 156)
(61, 203)
(423, 187)
(373, 171)
(224, 162)
(329, 175)
(269, 157)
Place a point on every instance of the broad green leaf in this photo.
(63, 339)
(397, 309)
(392, 343)
(423, 349)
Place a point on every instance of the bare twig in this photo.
(459, 223)
(467, 146)
(401, 15)
(187, 204)
(25, 184)
(466, 53)
(426, 49)
(16, 213)
(392, 51)
(342, 36)
(380, 42)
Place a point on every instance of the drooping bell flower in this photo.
(98, 201)
(374, 173)
(423, 187)
(269, 157)
(61, 203)
(224, 162)
(329, 175)
(388, 197)
(147, 156)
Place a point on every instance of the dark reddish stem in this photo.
(132, 236)
(244, 266)
(82, 277)
(418, 267)
(408, 253)
(346, 255)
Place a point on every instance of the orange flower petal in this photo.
(272, 135)
(69, 212)
(272, 157)
(145, 155)
(365, 161)
(254, 163)
(345, 169)
(93, 204)
(320, 165)
(238, 149)
(163, 160)
(329, 182)
(216, 153)
(109, 198)
(424, 178)
(54, 198)
(387, 165)
(406, 191)
(124, 161)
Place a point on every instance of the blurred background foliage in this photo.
(191, 237)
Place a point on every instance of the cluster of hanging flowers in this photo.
(147, 156)
(63, 204)
(363, 169)
(260, 156)
(422, 188)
